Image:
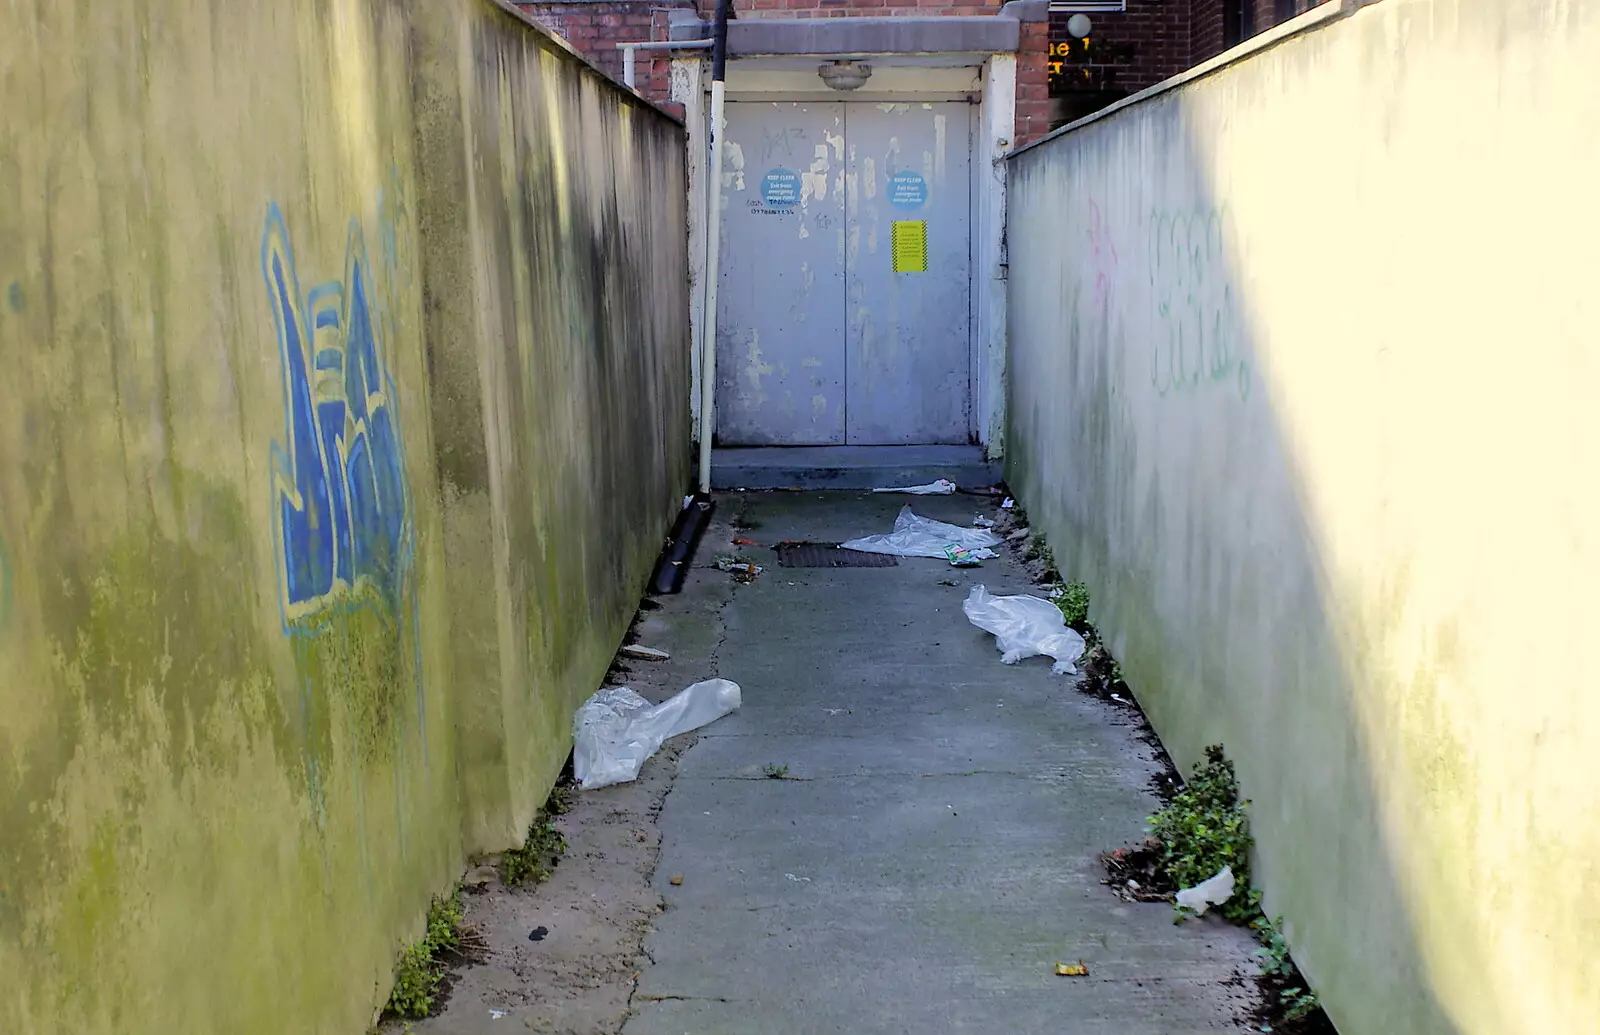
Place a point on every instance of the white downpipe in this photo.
(628, 50)
(708, 336)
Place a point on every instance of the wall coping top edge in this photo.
(556, 42)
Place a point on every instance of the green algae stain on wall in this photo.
(245, 645)
(344, 535)
(156, 678)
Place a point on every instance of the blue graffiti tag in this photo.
(340, 500)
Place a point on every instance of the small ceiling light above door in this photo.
(844, 75)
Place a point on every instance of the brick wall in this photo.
(593, 27)
(1123, 53)
(848, 8)
(1033, 83)
(1206, 32)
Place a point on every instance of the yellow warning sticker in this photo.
(910, 246)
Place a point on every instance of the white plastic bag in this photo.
(1024, 627)
(942, 487)
(1211, 892)
(915, 536)
(616, 730)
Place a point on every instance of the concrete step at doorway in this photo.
(850, 467)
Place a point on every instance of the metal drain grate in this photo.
(828, 555)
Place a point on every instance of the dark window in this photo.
(1235, 22)
(1282, 10)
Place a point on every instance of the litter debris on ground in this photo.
(1078, 969)
(639, 650)
(1024, 627)
(961, 557)
(744, 571)
(1212, 892)
(979, 521)
(1008, 503)
(798, 880)
(915, 536)
(538, 934)
(617, 730)
(942, 487)
(745, 542)
(495, 1015)
(676, 880)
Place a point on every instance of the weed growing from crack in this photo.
(420, 974)
(561, 798)
(537, 857)
(1206, 827)
(1295, 1001)
(776, 772)
(1073, 600)
(544, 845)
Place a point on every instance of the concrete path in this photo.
(932, 850)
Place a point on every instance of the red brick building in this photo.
(595, 27)
(1060, 76)
(1134, 48)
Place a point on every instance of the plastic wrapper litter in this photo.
(915, 536)
(1025, 627)
(617, 730)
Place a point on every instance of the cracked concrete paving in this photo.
(932, 851)
(598, 904)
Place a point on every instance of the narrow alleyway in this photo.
(897, 833)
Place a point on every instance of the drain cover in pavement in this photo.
(828, 555)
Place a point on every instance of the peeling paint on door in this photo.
(820, 340)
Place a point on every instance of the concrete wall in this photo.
(555, 215)
(322, 496)
(1301, 360)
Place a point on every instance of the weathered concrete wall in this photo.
(556, 240)
(251, 715)
(1301, 354)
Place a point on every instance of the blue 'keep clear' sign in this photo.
(907, 190)
(780, 188)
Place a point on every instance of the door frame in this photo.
(988, 82)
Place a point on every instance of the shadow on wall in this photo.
(1259, 396)
(345, 415)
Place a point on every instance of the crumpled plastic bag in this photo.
(617, 730)
(1211, 892)
(942, 487)
(915, 536)
(1025, 627)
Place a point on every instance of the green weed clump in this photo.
(536, 860)
(1073, 600)
(420, 974)
(1295, 999)
(1206, 827)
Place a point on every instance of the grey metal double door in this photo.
(843, 312)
